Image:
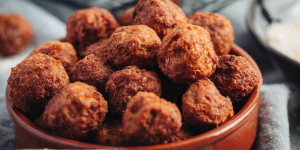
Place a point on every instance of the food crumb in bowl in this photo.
(284, 37)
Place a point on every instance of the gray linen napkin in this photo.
(46, 28)
(273, 123)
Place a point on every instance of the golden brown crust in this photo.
(98, 50)
(235, 77)
(124, 84)
(34, 81)
(160, 15)
(92, 71)
(187, 54)
(15, 33)
(219, 27)
(133, 45)
(204, 106)
(127, 17)
(150, 119)
(111, 133)
(86, 26)
(62, 51)
(76, 112)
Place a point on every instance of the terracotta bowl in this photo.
(238, 133)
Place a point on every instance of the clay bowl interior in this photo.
(238, 133)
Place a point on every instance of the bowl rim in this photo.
(209, 137)
(249, 18)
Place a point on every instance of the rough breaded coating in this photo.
(15, 33)
(76, 112)
(235, 77)
(124, 84)
(160, 15)
(34, 81)
(133, 45)
(127, 17)
(92, 71)
(219, 28)
(87, 26)
(98, 50)
(111, 133)
(203, 105)
(186, 54)
(62, 51)
(150, 119)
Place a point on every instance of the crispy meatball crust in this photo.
(86, 26)
(160, 15)
(76, 112)
(204, 106)
(62, 51)
(15, 33)
(124, 84)
(186, 54)
(92, 71)
(219, 28)
(235, 77)
(150, 119)
(127, 17)
(111, 133)
(34, 81)
(133, 45)
(98, 50)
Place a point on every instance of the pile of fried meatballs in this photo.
(154, 77)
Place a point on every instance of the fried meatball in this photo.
(133, 45)
(76, 112)
(204, 106)
(186, 54)
(160, 15)
(15, 33)
(62, 51)
(86, 26)
(127, 17)
(111, 133)
(219, 28)
(235, 77)
(92, 71)
(124, 84)
(149, 119)
(34, 81)
(98, 50)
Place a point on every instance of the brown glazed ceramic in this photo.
(238, 133)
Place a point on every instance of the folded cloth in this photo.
(46, 28)
(294, 117)
(273, 126)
